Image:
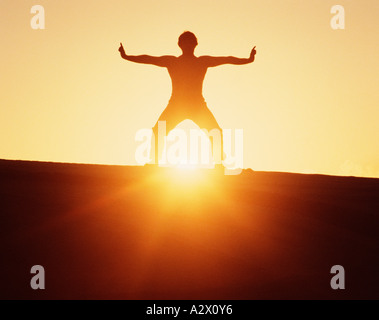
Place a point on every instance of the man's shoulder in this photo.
(169, 57)
(168, 60)
(205, 59)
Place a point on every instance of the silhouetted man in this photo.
(187, 74)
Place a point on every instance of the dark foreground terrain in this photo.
(117, 232)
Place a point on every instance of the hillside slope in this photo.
(118, 232)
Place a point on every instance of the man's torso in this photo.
(187, 76)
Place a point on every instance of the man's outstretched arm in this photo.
(217, 61)
(157, 61)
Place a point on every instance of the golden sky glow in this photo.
(309, 102)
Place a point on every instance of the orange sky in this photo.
(309, 103)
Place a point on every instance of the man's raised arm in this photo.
(162, 61)
(217, 61)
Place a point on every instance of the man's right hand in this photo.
(252, 54)
(122, 50)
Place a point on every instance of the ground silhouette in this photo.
(118, 232)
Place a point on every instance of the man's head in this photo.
(187, 41)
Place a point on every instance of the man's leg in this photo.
(155, 143)
(206, 120)
(167, 121)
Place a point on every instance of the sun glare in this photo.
(188, 175)
(184, 189)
